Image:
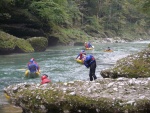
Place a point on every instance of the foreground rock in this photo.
(132, 66)
(120, 95)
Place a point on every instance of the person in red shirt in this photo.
(86, 45)
(44, 79)
(81, 55)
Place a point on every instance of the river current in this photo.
(60, 65)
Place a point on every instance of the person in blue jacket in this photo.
(32, 66)
(89, 45)
(91, 62)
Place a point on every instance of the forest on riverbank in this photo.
(67, 21)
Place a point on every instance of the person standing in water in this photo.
(90, 62)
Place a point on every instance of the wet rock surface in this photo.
(11, 44)
(132, 66)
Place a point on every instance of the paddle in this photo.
(22, 69)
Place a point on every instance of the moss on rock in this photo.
(122, 95)
(23, 46)
(7, 43)
(38, 43)
(132, 66)
(10, 44)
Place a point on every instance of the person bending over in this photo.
(90, 62)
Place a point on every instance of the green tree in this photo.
(49, 12)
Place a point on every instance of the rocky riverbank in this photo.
(106, 95)
(133, 66)
(11, 44)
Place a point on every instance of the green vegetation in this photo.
(51, 98)
(92, 18)
(38, 43)
(24, 46)
(10, 43)
(7, 41)
(132, 66)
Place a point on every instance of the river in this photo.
(58, 62)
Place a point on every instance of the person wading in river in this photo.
(44, 79)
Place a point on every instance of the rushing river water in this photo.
(58, 62)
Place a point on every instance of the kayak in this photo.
(89, 48)
(31, 75)
(108, 50)
(7, 96)
(79, 61)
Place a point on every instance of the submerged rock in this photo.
(107, 95)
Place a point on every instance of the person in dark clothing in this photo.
(91, 62)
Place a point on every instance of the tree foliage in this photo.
(113, 16)
(146, 6)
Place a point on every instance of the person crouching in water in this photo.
(36, 64)
(44, 79)
(81, 55)
(32, 66)
(91, 62)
